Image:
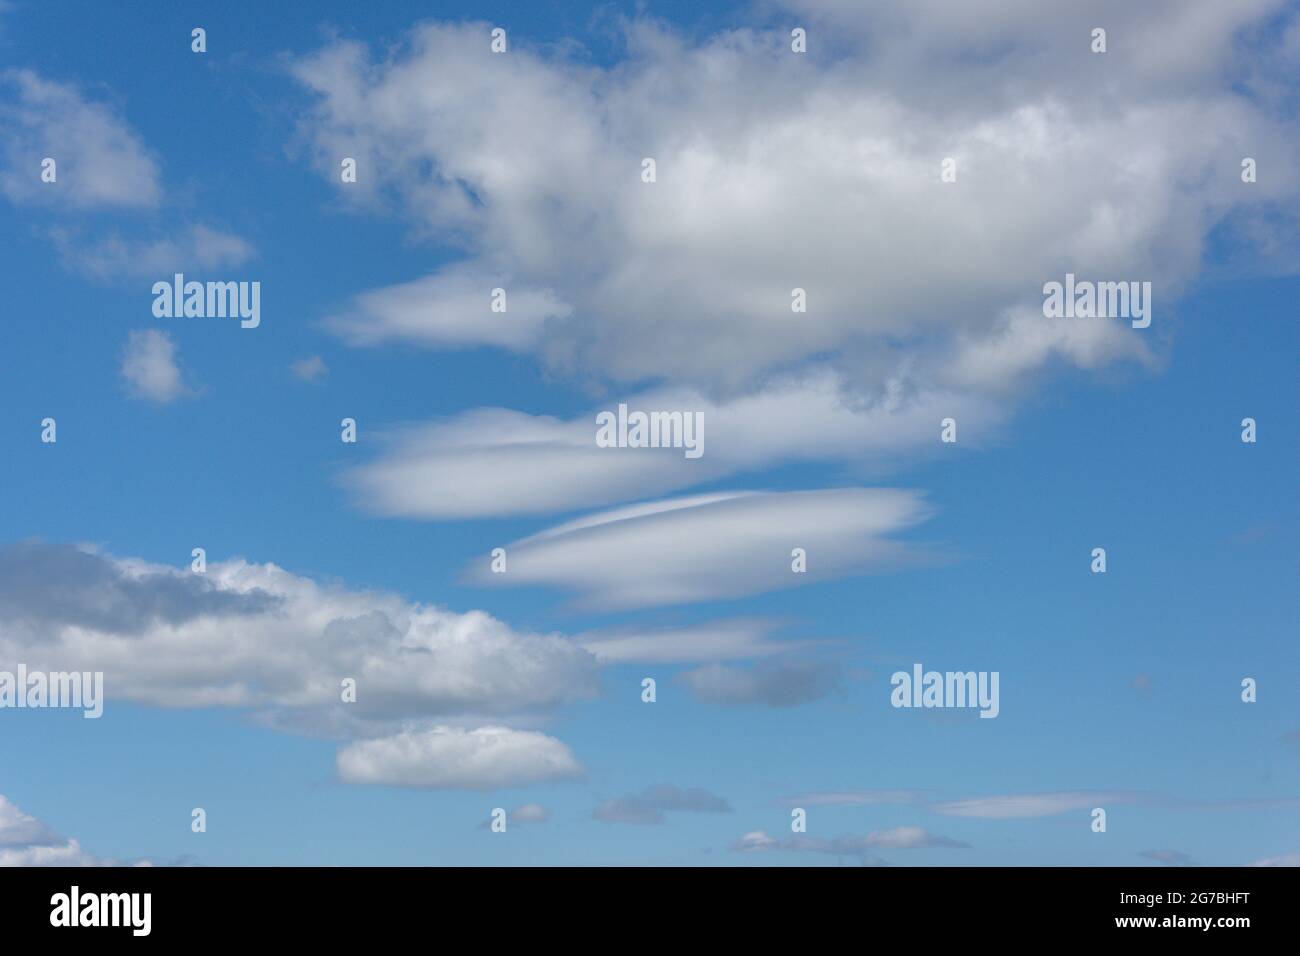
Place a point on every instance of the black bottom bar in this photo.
(302, 905)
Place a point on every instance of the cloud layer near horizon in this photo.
(26, 841)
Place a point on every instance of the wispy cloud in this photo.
(1168, 857)
(1019, 806)
(776, 684)
(100, 160)
(856, 798)
(895, 838)
(193, 248)
(496, 461)
(649, 806)
(715, 546)
(452, 309)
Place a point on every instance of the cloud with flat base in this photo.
(714, 547)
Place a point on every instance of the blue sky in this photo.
(1119, 690)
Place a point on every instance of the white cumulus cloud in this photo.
(483, 758)
(257, 637)
(149, 366)
(817, 171)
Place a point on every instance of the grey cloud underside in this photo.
(782, 684)
(56, 585)
(649, 807)
(727, 640)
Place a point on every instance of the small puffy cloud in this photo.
(309, 369)
(1285, 859)
(715, 546)
(530, 813)
(149, 367)
(756, 841)
(648, 807)
(100, 160)
(484, 758)
(781, 684)
(527, 813)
